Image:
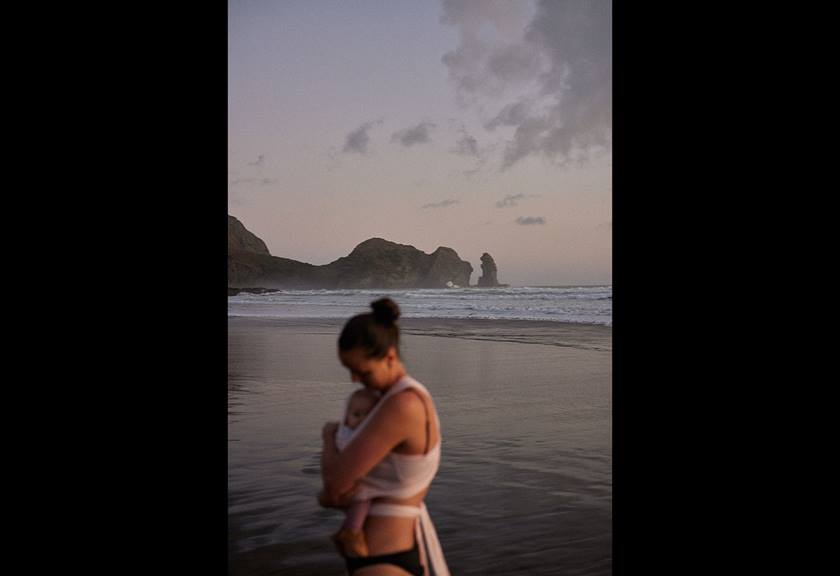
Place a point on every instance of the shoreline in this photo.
(544, 332)
(235, 291)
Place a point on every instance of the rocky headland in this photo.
(375, 263)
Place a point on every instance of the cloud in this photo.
(511, 115)
(259, 181)
(467, 145)
(414, 135)
(530, 220)
(258, 162)
(490, 55)
(443, 204)
(509, 200)
(547, 71)
(357, 140)
(513, 199)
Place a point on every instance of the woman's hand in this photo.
(323, 500)
(343, 502)
(329, 430)
(329, 455)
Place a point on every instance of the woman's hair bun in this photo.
(385, 311)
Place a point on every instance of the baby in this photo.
(350, 539)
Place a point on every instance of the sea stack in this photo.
(488, 272)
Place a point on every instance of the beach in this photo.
(525, 482)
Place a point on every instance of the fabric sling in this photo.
(403, 476)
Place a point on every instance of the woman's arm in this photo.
(329, 455)
(392, 424)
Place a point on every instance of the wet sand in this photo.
(525, 484)
(593, 337)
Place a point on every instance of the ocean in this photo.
(575, 304)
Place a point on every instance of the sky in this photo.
(480, 125)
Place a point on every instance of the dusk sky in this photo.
(480, 125)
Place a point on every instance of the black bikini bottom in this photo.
(408, 560)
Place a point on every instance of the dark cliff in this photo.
(241, 240)
(378, 263)
(251, 265)
(375, 263)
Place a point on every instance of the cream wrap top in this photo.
(403, 476)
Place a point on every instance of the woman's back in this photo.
(410, 467)
(408, 470)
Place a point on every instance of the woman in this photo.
(392, 456)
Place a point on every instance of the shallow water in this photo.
(525, 483)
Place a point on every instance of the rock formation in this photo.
(375, 263)
(251, 265)
(241, 240)
(378, 263)
(488, 272)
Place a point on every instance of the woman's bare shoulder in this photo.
(406, 402)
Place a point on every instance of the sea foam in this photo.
(576, 304)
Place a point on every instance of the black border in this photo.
(687, 305)
(142, 461)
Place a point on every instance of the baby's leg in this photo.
(350, 539)
(356, 514)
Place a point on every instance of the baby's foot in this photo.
(351, 542)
